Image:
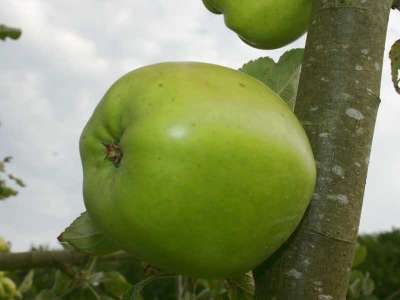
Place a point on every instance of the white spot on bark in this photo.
(359, 131)
(357, 81)
(316, 196)
(365, 51)
(346, 96)
(345, 46)
(323, 134)
(324, 79)
(314, 108)
(317, 283)
(294, 273)
(359, 68)
(338, 170)
(340, 198)
(377, 66)
(357, 164)
(321, 216)
(354, 113)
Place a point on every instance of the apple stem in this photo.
(114, 153)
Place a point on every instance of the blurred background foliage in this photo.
(375, 275)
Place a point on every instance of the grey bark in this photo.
(337, 103)
(44, 259)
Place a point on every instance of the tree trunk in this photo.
(337, 104)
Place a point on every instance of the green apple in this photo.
(4, 246)
(196, 168)
(264, 24)
(8, 289)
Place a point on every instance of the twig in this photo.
(45, 259)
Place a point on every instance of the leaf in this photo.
(26, 284)
(368, 285)
(17, 180)
(6, 191)
(9, 32)
(115, 284)
(242, 287)
(395, 58)
(84, 236)
(360, 255)
(135, 293)
(282, 77)
(61, 283)
(354, 290)
(47, 295)
(85, 293)
(7, 159)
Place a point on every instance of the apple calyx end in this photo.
(114, 153)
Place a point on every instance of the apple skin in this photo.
(264, 24)
(216, 171)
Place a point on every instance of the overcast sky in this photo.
(72, 51)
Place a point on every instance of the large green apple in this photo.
(196, 168)
(264, 24)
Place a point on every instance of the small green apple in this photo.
(8, 289)
(196, 168)
(264, 24)
(4, 245)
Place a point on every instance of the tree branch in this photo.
(45, 259)
(337, 104)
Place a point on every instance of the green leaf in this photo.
(84, 236)
(135, 293)
(115, 284)
(9, 32)
(360, 255)
(282, 77)
(395, 58)
(61, 283)
(368, 285)
(17, 180)
(354, 289)
(47, 295)
(84, 293)
(26, 284)
(242, 287)
(6, 191)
